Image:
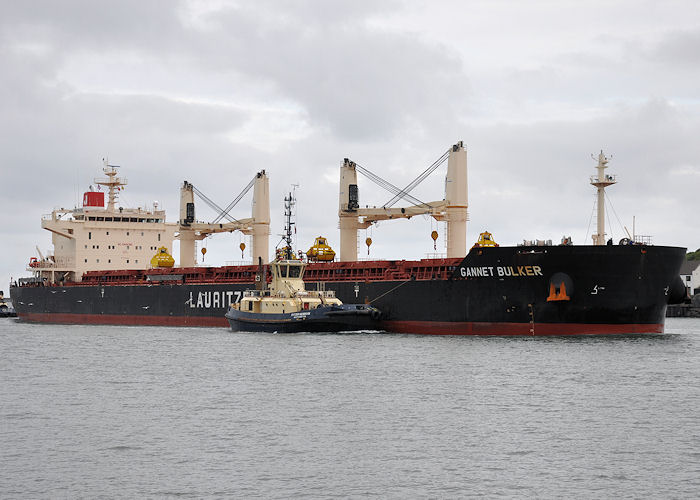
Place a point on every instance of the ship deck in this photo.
(376, 270)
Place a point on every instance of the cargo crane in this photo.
(453, 209)
(258, 225)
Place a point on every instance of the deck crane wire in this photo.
(238, 198)
(386, 184)
(590, 221)
(213, 205)
(404, 192)
(614, 212)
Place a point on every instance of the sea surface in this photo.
(148, 412)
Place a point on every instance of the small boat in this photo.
(287, 307)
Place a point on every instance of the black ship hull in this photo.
(554, 290)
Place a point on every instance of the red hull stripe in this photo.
(123, 319)
(418, 327)
(473, 328)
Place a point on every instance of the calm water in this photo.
(164, 412)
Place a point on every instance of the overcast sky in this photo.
(214, 91)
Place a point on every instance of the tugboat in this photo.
(6, 309)
(287, 307)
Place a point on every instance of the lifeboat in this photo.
(485, 240)
(320, 251)
(162, 259)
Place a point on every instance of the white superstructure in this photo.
(94, 237)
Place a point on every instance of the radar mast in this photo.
(112, 182)
(601, 181)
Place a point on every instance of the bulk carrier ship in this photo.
(103, 270)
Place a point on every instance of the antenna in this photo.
(112, 182)
(289, 203)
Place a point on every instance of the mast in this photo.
(289, 202)
(112, 182)
(601, 181)
(457, 204)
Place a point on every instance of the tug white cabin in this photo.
(287, 292)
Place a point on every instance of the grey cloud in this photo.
(92, 25)
(679, 48)
(358, 82)
(542, 170)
